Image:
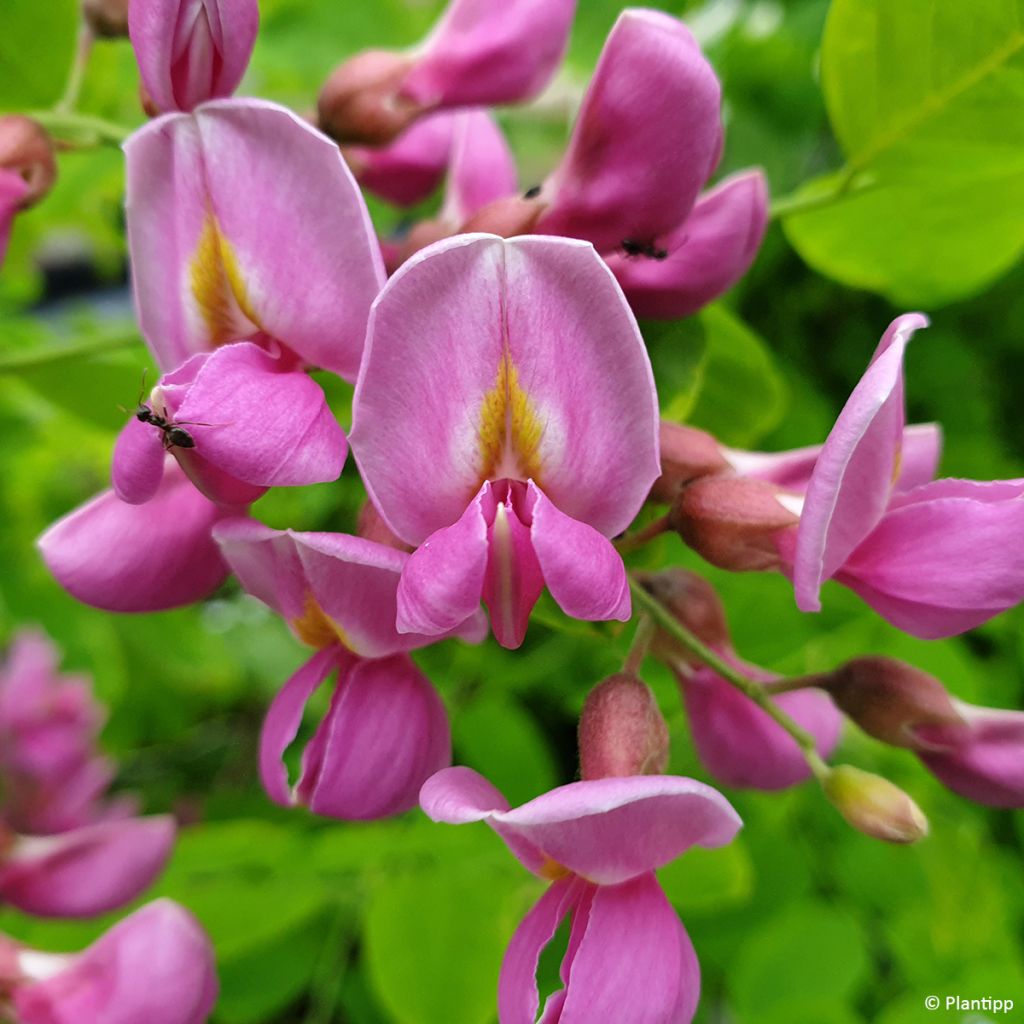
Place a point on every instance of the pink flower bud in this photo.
(107, 18)
(695, 604)
(686, 454)
(514, 215)
(26, 152)
(874, 805)
(622, 731)
(732, 521)
(190, 51)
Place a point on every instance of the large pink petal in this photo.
(706, 254)
(639, 155)
(482, 167)
(87, 871)
(636, 964)
(607, 830)
(138, 464)
(304, 272)
(581, 568)
(945, 558)
(919, 456)
(156, 966)
(853, 478)
(385, 734)
(443, 581)
(487, 52)
(139, 558)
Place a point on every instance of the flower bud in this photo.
(686, 453)
(694, 603)
(622, 731)
(891, 700)
(359, 102)
(514, 215)
(26, 151)
(874, 805)
(732, 522)
(107, 18)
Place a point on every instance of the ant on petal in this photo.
(631, 248)
(174, 433)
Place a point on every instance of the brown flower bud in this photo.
(889, 700)
(622, 731)
(693, 601)
(513, 215)
(874, 805)
(686, 453)
(360, 100)
(370, 525)
(427, 232)
(26, 149)
(732, 521)
(107, 18)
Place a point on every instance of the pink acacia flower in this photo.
(65, 850)
(386, 730)
(244, 224)
(190, 51)
(274, 429)
(598, 842)
(139, 558)
(505, 421)
(156, 965)
(934, 560)
(480, 53)
(631, 178)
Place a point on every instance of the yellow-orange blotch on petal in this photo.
(315, 628)
(510, 429)
(218, 287)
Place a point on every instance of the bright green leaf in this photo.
(36, 45)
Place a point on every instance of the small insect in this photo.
(532, 193)
(631, 247)
(174, 433)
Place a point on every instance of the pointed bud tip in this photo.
(26, 149)
(874, 805)
(686, 454)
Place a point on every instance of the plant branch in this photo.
(20, 361)
(80, 129)
(76, 74)
(632, 541)
(638, 648)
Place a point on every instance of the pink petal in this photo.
(853, 478)
(304, 272)
(989, 766)
(487, 52)
(412, 167)
(284, 716)
(139, 558)
(581, 568)
(87, 871)
(740, 745)
(138, 464)
(156, 966)
(945, 558)
(607, 830)
(443, 581)
(482, 167)
(385, 734)
(636, 964)
(920, 454)
(189, 52)
(638, 156)
(707, 253)
(13, 190)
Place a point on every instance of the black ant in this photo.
(174, 433)
(532, 192)
(631, 247)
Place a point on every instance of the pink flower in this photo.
(505, 421)
(155, 966)
(936, 559)
(139, 558)
(249, 421)
(245, 224)
(27, 169)
(629, 959)
(638, 158)
(386, 730)
(190, 51)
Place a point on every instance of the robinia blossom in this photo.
(598, 842)
(386, 730)
(155, 966)
(505, 422)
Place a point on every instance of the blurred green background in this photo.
(906, 129)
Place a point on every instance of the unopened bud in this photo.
(508, 217)
(26, 150)
(622, 731)
(107, 18)
(360, 100)
(427, 232)
(891, 700)
(732, 521)
(874, 805)
(370, 525)
(686, 453)
(694, 603)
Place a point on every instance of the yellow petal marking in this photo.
(510, 429)
(552, 870)
(313, 627)
(218, 287)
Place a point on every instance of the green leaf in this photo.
(36, 47)
(678, 351)
(709, 879)
(924, 97)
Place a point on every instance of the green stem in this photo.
(795, 683)
(748, 687)
(638, 648)
(846, 183)
(20, 361)
(81, 129)
(77, 72)
(642, 536)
